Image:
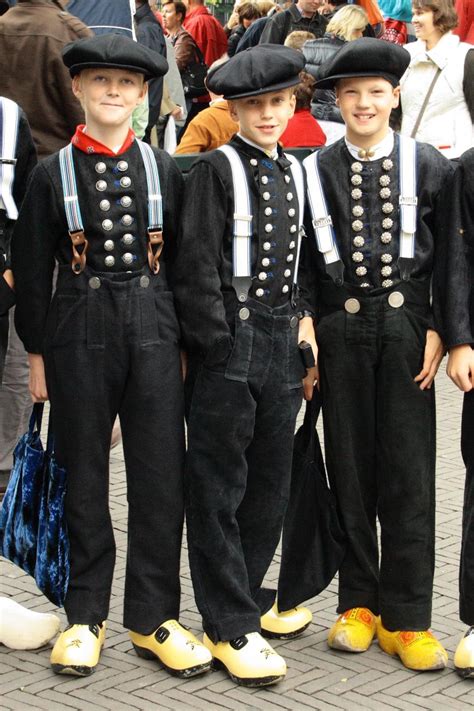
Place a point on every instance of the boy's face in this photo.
(109, 96)
(366, 104)
(263, 118)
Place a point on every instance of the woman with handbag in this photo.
(442, 113)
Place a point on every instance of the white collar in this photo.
(270, 154)
(381, 150)
(441, 52)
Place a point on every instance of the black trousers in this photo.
(466, 576)
(380, 454)
(112, 348)
(240, 440)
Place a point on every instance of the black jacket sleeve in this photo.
(275, 29)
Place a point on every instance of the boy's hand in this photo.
(306, 333)
(434, 351)
(37, 385)
(460, 367)
(8, 276)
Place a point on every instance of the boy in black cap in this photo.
(242, 319)
(107, 344)
(373, 199)
(455, 280)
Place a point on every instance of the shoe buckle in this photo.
(162, 635)
(238, 643)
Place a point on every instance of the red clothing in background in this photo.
(207, 32)
(303, 131)
(465, 29)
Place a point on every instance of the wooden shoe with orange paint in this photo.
(353, 631)
(419, 651)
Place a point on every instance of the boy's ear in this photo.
(292, 106)
(232, 111)
(396, 96)
(76, 86)
(143, 93)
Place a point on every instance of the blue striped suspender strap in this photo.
(155, 206)
(9, 120)
(242, 275)
(298, 177)
(73, 211)
(322, 220)
(408, 205)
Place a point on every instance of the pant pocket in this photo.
(239, 361)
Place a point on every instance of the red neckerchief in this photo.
(87, 144)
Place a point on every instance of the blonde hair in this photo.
(265, 6)
(347, 21)
(296, 39)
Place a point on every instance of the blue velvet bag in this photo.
(33, 532)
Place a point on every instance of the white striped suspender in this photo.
(9, 120)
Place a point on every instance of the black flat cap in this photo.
(257, 70)
(364, 57)
(113, 51)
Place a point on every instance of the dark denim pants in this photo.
(240, 441)
(380, 454)
(112, 348)
(466, 577)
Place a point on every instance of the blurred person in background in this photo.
(437, 90)
(302, 15)
(247, 13)
(347, 24)
(252, 35)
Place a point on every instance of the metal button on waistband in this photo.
(144, 281)
(396, 299)
(352, 306)
(94, 283)
(294, 321)
(244, 313)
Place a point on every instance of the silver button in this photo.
(268, 227)
(356, 193)
(384, 180)
(361, 271)
(126, 220)
(357, 210)
(266, 246)
(94, 283)
(104, 205)
(101, 185)
(292, 244)
(386, 271)
(357, 225)
(356, 180)
(293, 229)
(387, 283)
(268, 211)
(287, 273)
(144, 281)
(259, 293)
(109, 245)
(356, 167)
(126, 201)
(125, 182)
(266, 196)
(291, 212)
(385, 193)
(262, 276)
(244, 313)
(294, 321)
(290, 258)
(396, 299)
(100, 167)
(386, 258)
(386, 237)
(358, 242)
(128, 239)
(387, 208)
(265, 262)
(387, 223)
(127, 258)
(357, 257)
(289, 196)
(253, 162)
(387, 164)
(109, 261)
(122, 165)
(264, 179)
(285, 289)
(352, 306)
(365, 285)
(287, 179)
(107, 225)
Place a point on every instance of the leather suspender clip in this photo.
(155, 247)
(78, 239)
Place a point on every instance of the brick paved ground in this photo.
(317, 678)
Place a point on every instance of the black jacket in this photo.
(316, 52)
(280, 25)
(150, 34)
